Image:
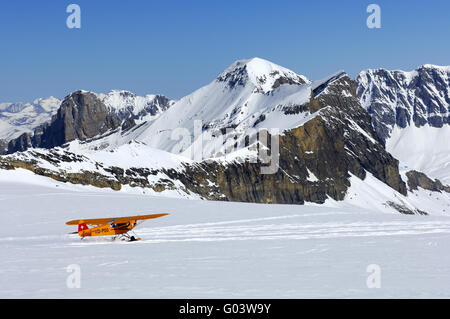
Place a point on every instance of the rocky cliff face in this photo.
(398, 98)
(418, 179)
(316, 159)
(328, 139)
(3, 147)
(81, 115)
(20, 144)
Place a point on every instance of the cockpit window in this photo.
(119, 225)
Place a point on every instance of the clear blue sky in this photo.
(174, 47)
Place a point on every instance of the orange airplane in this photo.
(114, 226)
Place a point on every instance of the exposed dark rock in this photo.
(81, 116)
(403, 209)
(3, 147)
(238, 76)
(418, 179)
(294, 109)
(20, 144)
(320, 88)
(5, 164)
(397, 98)
(338, 142)
(235, 78)
(128, 124)
(153, 106)
(286, 80)
(83, 177)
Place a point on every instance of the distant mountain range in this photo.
(19, 118)
(329, 132)
(80, 115)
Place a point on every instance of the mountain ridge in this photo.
(118, 108)
(325, 133)
(404, 98)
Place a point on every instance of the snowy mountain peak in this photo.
(263, 74)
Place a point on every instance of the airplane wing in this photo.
(101, 221)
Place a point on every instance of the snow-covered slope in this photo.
(248, 95)
(325, 136)
(130, 155)
(329, 155)
(19, 118)
(141, 108)
(411, 112)
(207, 249)
(425, 149)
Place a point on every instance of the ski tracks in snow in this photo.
(286, 227)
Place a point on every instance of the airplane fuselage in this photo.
(108, 229)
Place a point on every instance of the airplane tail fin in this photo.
(82, 226)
